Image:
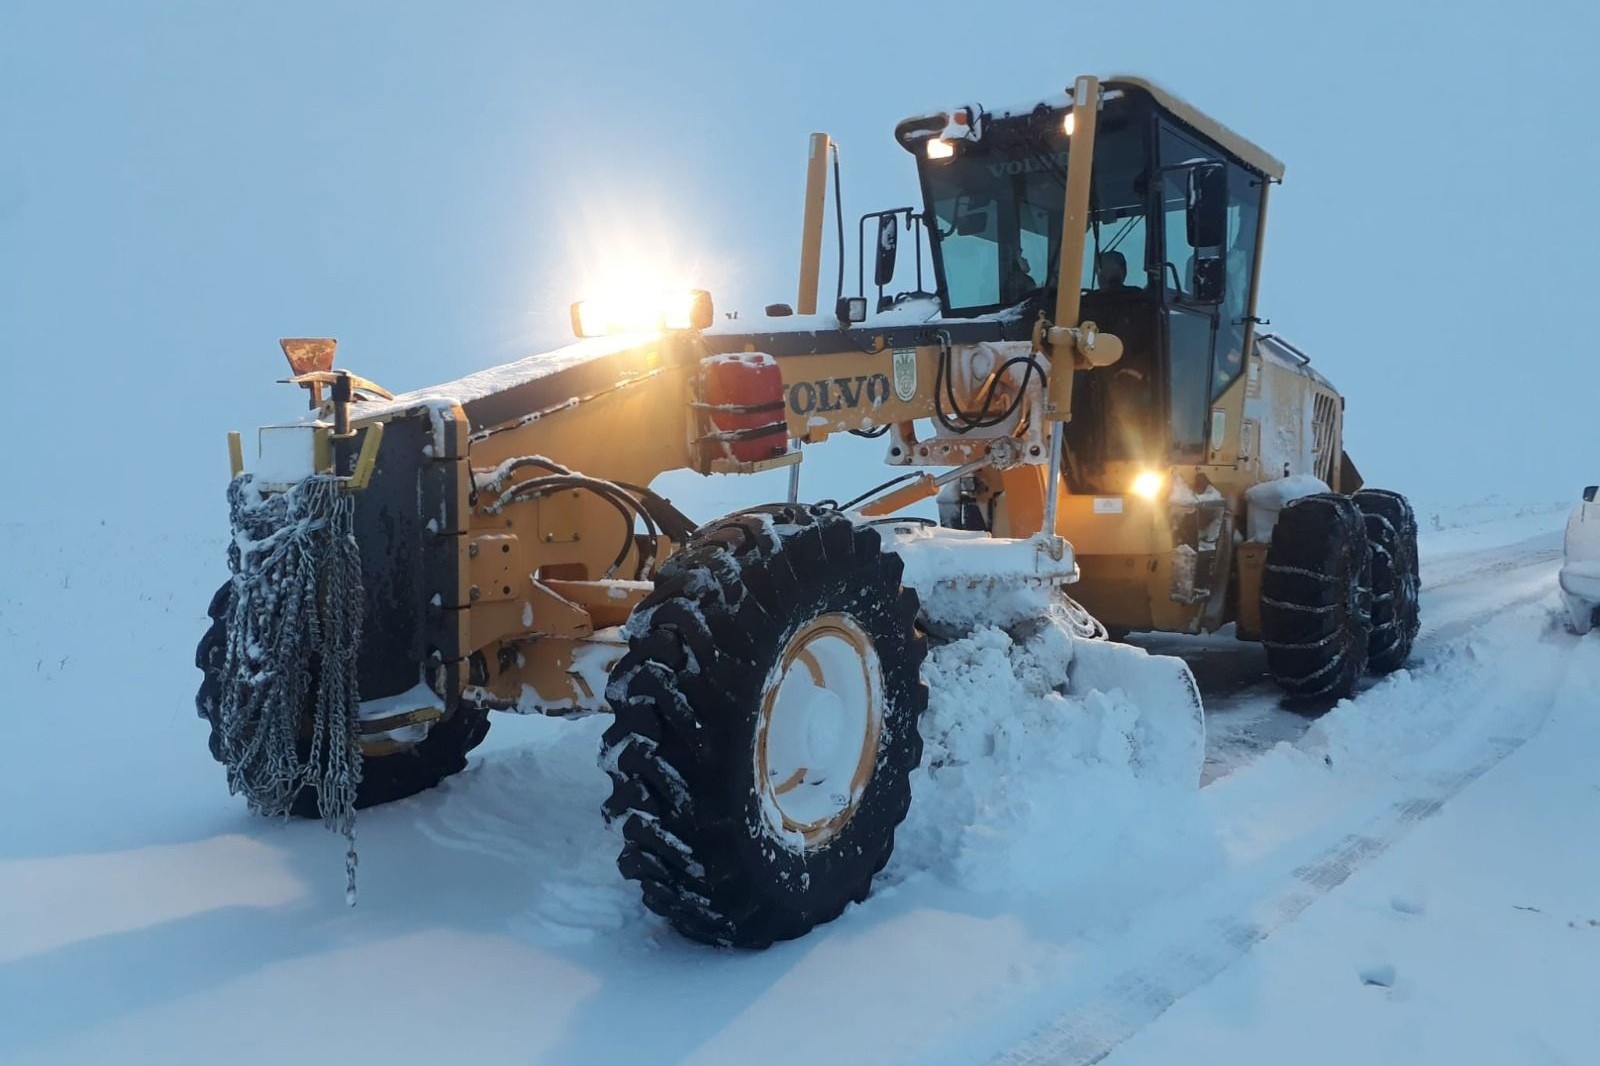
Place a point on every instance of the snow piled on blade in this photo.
(1047, 756)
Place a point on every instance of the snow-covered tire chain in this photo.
(703, 647)
(383, 778)
(1316, 598)
(1392, 532)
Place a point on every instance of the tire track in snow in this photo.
(1463, 566)
(1171, 968)
(1141, 993)
(1245, 715)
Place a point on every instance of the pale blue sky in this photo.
(182, 183)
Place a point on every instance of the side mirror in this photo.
(1209, 276)
(1589, 493)
(1208, 205)
(888, 249)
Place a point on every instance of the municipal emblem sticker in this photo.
(905, 374)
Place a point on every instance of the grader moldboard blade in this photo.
(968, 579)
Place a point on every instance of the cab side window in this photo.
(1178, 153)
(1115, 251)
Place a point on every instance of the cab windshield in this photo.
(997, 210)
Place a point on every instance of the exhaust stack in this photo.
(811, 231)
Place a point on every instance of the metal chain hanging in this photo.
(294, 627)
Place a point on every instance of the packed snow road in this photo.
(1055, 891)
(1489, 667)
(1464, 584)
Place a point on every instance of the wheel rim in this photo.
(817, 736)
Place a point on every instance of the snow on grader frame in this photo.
(403, 565)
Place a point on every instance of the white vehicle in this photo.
(1580, 573)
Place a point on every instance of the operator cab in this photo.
(1169, 256)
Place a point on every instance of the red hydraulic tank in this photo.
(743, 394)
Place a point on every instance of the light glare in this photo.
(1068, 123)
(1147, 485)
(640, 310)
(677, 310)
(940, 149)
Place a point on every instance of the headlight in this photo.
(1148, 484)
(690, 309)
(642, 312)
(938, 148)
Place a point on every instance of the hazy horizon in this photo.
(185, 183)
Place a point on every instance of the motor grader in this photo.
(1083, 395)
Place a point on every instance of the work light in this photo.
(645, 312)
(1147, 485)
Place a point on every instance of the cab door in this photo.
(1189, 318)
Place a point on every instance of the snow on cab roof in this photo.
(916, 311)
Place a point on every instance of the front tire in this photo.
(1316, 598)
(766, 725)
(384, 778)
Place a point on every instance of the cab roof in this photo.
(1247, 150)
(914, 130)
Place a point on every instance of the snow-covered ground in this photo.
(1409, 878)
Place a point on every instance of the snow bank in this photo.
(1485, 519)
(1458, 697)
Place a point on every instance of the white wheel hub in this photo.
(820, 723)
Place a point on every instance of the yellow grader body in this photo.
(1101, 435)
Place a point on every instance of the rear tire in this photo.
(1316, 598)
(1581, 616)
(729, 842)
(1392, 533)
(384, 778)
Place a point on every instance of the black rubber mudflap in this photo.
(1392, 532)
(1316, 598)
(383, 778)
(686, 699)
